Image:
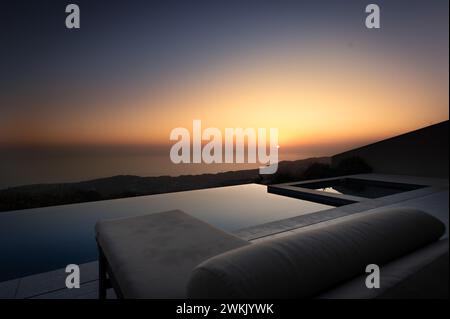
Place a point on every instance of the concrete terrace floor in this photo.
(433, 199)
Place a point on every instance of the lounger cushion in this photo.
(312, 261)
(421, 274)
(152, 256)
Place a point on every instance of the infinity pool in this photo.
(43, 239)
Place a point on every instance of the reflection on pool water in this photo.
(361, 188)
(43, 239)
(366, 191)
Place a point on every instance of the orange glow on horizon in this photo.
(316, 100)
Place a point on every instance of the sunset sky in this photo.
(137, 69)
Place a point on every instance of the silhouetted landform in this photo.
(41, 195)
(422, 152)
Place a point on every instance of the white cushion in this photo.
(152, 256)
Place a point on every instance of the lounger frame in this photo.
(106, 276)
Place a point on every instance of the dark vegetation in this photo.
(40, 195)
(319, 168)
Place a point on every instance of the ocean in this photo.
(17, 169)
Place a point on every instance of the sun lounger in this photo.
(174, 255)
(152, 256)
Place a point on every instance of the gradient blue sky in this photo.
(135, 69)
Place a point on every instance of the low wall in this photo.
(423, 152)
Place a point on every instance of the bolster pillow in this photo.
(309, 262)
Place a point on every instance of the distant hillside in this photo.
(40, 195)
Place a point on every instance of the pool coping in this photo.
(294, 189)
(356, 205)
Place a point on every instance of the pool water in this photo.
(360, 187)
(43, 239)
